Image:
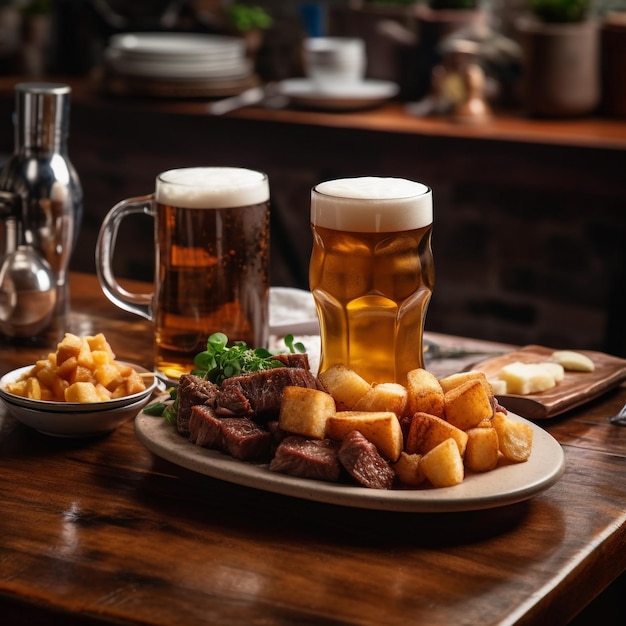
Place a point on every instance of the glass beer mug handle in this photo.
(137, 303)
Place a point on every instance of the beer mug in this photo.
(212, 261)
(372, 273)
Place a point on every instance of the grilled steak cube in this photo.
(245, 440)
(278, 434)
(308, 458)
(205, 427)
(259, 394)
(193, 390)
(363, 462)
(294, 360)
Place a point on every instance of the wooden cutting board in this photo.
(575, 389)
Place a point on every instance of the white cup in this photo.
(334, 63)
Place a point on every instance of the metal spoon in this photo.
(620, 418)
(268, 95)
(27, 293)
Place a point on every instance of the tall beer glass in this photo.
(212, 261)
(372, 273)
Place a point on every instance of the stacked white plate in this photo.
(179, 59)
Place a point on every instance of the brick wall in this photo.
(527, 266)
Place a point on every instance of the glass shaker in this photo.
(41, 174)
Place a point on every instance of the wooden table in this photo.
(101, 530)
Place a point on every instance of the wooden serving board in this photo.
(575, 389)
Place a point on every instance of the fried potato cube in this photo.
(58, 389)
(515, 439)
(82, 392)
(382, 428)
(108, 375)
(425, 394)
(134, 383)
(409, 469)
(66, 368)
(18, 388)
(84, 357)
(383, 397)
(69, 347)
(344, 384)
(482, 451)
(123, 368)
(47, 394)
(101, 357)
(47, 375)
(99, 343)
(33, 388)
(455, 380)
(468, 404)
(39, 365)
(428, 431)
(306, 411)
(107, 394)
(443, 465)
(81, 374)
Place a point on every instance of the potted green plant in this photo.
(560, 58)
(561, 11)
(248, 21)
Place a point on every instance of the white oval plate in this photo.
(502, 486)
(368, 93)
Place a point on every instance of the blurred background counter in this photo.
(530, 228)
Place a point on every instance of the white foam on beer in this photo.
(212, 187)
(371, 204)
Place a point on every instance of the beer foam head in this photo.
(212, 187)
(371, 204)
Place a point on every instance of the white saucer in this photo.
(368, 93)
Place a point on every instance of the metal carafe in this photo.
(41, 174)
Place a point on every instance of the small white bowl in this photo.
(74, 419)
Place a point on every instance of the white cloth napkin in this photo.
(293, 312)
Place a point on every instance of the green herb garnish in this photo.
(167, 409)
(219, 362)
(294, 347)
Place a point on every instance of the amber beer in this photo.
(212, 229)
(372, 273)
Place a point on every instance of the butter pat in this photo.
(527, 378)
(574, 361)
(498, 386)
